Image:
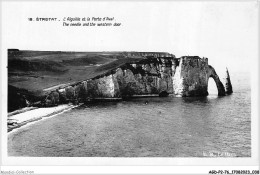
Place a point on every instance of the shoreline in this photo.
(21, 117)
(28, 116)
(24, 116)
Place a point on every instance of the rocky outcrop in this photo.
(151, 76)
(158, 74)
(212, 73)
(228, 85)
(16, 100)
(184, 77)
(191, 77)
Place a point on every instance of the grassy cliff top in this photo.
(34, 71)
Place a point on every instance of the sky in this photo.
(224, 32)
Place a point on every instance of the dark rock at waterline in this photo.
(163, 94)
(52, 99)
(228, 85)
(16, 100)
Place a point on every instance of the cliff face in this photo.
(154, 74)
(228, 85)
(191, 77)
(147, 77)
(184, 77)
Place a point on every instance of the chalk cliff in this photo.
(145, 73)
(184, 77)
(191, 77)
(212, 73)
(228, 85)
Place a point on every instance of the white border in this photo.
(53, 161)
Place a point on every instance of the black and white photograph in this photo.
(130, 83)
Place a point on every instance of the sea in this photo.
(209, 126)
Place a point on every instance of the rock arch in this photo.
(212, 74)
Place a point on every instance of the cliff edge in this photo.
(37, 78)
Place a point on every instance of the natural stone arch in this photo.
(212, 74)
